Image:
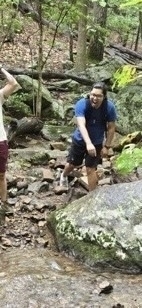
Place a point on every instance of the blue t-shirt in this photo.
(96, 119)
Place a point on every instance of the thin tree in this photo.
(40, 60)
(80, 63)
(97, 40)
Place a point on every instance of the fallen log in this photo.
(24, 126)
(126, 51)
(48, 75)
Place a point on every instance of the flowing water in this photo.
(40, 279)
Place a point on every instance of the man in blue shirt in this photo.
(95, 117)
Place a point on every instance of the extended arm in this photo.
(110, 133)
(11, 85)
(81, 123)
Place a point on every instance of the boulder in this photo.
(104, 228)
(31, 85)
(128, 103)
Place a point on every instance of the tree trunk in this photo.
(137, 38)
(71, 45)
(40, 61)
(96, 45)
(80, 63)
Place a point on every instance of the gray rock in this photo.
(104, 228)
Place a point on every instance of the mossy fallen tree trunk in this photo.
(23, 127)
(53, 75)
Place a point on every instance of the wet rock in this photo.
(6, 242)
(51, 163)
(12, 201)
(11, 180)
(104, 228)
(59, 190)
(106, 288)
(42, 223)
(26, 199)
(34, 187)
(83, 180)
(106, 164)
(42, 242)
(12, 192)
(60, 162)
(34, 229)
(139, 173)
(48, 175)
(105, 181)
(58, 146)
(26, 207)
(22, 185)
(43, 187)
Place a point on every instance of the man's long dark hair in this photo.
(102, 86)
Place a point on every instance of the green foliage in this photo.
(16, 105)
(128, 160)
(101, 2)
(124, 75)
(122, 24)
(10, 22)
(64, 12)
(131, 3)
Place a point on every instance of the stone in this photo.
(43, 187)
(58, 146)
(59, 190)
(48, 175)
(83, 180)
(106, 164)
(104, 228)
(60, 162)
(105, 181)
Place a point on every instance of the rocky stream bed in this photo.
(33, 273)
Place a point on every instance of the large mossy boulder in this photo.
(104, 228)
(105, 69)
(129, 107)
(51, 105)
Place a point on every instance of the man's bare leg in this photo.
(3, 187)
(63, 178)
(92, 178)
(3, 194)
(68, 168)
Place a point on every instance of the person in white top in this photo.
(9, 88)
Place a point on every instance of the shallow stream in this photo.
(40, 279)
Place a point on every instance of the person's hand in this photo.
(104, 152)
(91, 149)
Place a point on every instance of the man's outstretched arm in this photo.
(11, 85)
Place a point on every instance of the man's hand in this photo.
(91, 149)
(104, 152)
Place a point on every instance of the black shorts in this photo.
(78, 153)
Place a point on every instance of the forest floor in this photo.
(22, 52)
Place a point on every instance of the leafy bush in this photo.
(16, 105)
(128, 160)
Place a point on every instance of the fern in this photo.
(128, 160)
(125, 75)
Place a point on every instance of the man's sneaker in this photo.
(63, 180)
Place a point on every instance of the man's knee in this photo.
(90, 170)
